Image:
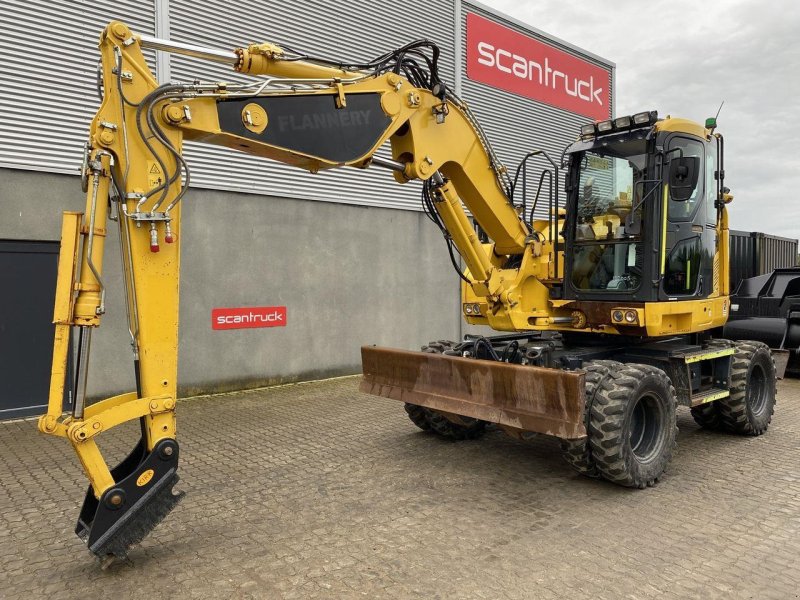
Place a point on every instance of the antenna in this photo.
(711, 123)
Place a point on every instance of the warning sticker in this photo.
(154, 176)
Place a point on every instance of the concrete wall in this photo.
(349, 275)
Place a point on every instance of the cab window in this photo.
(685, 210)
(683, 267)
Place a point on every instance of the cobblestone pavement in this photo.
(318, 491)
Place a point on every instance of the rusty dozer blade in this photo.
(140, 499)
(548, 401)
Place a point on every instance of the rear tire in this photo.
(578, 453)
(749, 408)
(632, 427)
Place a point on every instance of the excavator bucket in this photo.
(548, 401)
(140, 499)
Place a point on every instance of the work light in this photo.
(622, 122)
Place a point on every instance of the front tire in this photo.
(419, 415)
(578, 453)
(429, 420)
(749, 408)
(632, 427)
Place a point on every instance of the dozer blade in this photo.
(141, 497)
(548, 401)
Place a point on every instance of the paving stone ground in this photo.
(318, 491)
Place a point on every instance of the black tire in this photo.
(420, 415)
(632, 427)
(429, 420)
(469, 429)
(438, 347)
(578, 453)
(707, 415)
(748, 410)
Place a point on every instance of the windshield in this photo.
(608, 252)
(610, 186)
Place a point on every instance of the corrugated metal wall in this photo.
(48, 65)
(773, 252)
(358, 31)
(47, 102)
(753, 253)
(517, 125)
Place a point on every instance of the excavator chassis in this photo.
(524, 398)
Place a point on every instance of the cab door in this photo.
(689, 229)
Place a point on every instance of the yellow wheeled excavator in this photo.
(608, 305)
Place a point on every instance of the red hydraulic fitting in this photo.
(169, 237)
(154, 238)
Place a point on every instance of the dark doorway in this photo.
(27, 292)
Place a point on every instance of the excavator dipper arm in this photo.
(307, 113)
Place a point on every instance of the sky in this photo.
(684, 58)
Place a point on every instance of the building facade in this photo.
(347, 252)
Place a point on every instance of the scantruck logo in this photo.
(248, 318)
(501, 57)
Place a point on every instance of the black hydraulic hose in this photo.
(455, 264)
(483, 342)
(147, 102)
(510, 352)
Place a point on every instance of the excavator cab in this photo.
(642, 211)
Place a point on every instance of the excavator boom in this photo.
(308, 113)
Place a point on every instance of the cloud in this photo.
(684, 58)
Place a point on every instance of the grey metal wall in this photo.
(48, 89)
(332, 247)
(349, 275)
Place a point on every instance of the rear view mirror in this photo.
(683, 174)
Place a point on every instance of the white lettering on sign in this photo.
(247, 318)
(512, 61)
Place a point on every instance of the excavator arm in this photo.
(303, 112)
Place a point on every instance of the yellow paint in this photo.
(709, 355)
(717, 396)
(673, 124)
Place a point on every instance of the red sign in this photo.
(248, 318)
(505, 59)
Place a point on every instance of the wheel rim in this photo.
(645, 428)
(757, 389)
